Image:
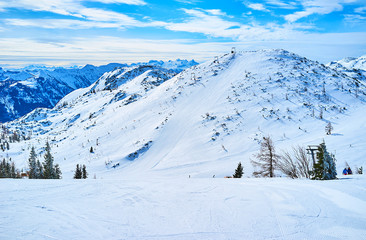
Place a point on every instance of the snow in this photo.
(244, 95)
(183, 208)
(158, 140)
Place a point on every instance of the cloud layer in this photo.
(134, 30)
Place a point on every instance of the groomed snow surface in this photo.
(190, 208)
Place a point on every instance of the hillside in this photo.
(144, 121)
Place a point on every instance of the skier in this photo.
(345, 171)
(349, 171)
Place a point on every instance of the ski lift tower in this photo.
(216, 59)
(233, 50)
(311, 150)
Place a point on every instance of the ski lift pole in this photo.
(311, 150)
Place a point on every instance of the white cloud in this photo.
(79, 24)
(281, 4)
(216, 12)
(63, 7)
(360, 10)
(321, 7)
(354, 19)
(257, 6)
(60, 23)
(102, 50)
(92, 17)
(201, 22)
(215, 26)
(129, 2)
(189, 1)
(95, 14)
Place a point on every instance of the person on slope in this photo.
(349, 171)
(345, 171)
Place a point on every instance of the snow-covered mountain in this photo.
(23, 90)
(202, 121)
(177, 65)
(351, 63)
(353, 67)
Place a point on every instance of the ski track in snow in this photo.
(176, 209)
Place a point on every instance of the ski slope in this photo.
(183, 208)
(201, 122)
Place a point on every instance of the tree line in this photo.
(46, 169)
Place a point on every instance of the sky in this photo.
(79, 32)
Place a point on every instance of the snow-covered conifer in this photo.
(84, 172)
(48, 167)
(32, 163)
(78, 172)
(325, 167)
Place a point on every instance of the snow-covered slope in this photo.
(201, 122)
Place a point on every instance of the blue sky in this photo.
(76, 32)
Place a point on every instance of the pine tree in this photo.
(8, 170)
(238, 171)
(39, 170)
(84, 172)
(48, 168)
(32, 163)
(267, 159)
(325, 167)
(13, 171)
(78, 172)
(57, 171)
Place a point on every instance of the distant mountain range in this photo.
(23, 90)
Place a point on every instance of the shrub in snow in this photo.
(294, 165)
(328, 128)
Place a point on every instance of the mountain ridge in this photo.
(204, 120)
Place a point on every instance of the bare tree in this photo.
(287, 165)
(295, 165)
(328, 128)
(266, 159)
(302, 161)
